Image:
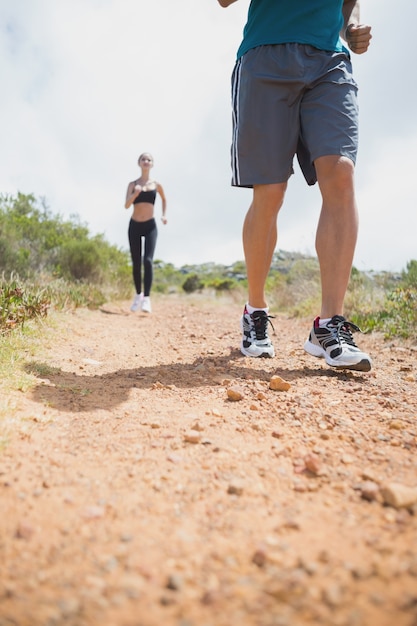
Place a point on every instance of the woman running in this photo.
(142, 194)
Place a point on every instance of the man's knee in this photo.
(335, 173)
(335, 167)
(269, 197)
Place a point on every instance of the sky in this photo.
(88, 85)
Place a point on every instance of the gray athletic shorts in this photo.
(290, 99)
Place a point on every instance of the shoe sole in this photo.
(262, 355)
(364, 365)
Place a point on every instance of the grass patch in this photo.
(15, 348)
(42, 370)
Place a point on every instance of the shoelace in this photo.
(344, 330)
(260, 321)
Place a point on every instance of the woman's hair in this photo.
(143, 154)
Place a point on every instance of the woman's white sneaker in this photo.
(137, 300)
(146, 304)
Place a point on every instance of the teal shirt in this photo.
(314, 22)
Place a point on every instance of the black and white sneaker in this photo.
(334, 343)
(255, 340)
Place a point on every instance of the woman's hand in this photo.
(164, 219)
(132, 193)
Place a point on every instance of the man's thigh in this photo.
(266, 87)
(329, 113)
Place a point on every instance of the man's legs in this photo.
(331, 336)
(337, 230)
(260, 238)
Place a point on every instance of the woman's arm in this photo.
(161, 192)
(357, 36)
(226, 3)
(132, 193)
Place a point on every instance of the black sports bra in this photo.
(146, 196)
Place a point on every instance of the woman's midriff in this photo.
(142, 212)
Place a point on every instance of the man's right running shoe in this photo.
(255, 340)
(334, 343)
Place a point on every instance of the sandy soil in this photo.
(137, 489)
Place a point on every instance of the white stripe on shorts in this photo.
(235, 114)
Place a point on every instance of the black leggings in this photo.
(149, 231)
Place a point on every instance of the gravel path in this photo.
(152, 477)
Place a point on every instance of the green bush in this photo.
(167, 278)
(396, 313)
(409, 277)
(34, 241)
(80, 260)
(192, 283)
(222, 284)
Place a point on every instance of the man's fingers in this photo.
(359, 28)
(358, 37)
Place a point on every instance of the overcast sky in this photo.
(88, 85)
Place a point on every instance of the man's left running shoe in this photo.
(334, 343)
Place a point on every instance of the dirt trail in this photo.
(133, 492)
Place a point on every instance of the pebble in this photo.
(369, 490)
(192, 436)
(174, 582)
(24, 530)
(398, 495)
(312, 463)
(259, 557)
(234, 394)
(235, 488)
(277, 383)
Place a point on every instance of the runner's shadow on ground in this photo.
(69, 391)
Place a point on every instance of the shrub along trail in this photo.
(136, 492)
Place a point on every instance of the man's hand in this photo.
(358, 38)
